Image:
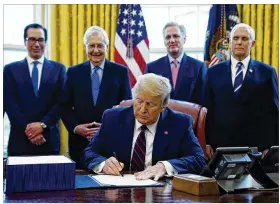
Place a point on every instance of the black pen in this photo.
(115, 155)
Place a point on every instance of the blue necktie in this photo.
(34, 77)
(238, 78)
(139, 151)
(95, 84)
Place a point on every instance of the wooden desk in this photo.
(139, 195)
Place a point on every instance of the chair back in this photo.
(197, 112)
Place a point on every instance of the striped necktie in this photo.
(238, 78)
(35, 77)
(95, 81)
(139, 151)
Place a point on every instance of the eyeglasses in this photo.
(98, 46)
(33, 40)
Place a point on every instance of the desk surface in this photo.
(139, 195)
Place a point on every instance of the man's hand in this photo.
(86, 130)
(209, 151)
(112, 167)
(38, 139)
(33, 129)
(157, 171)
(95, 129)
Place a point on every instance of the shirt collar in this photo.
(31, 60)
(152, 128)
(245, 61)
(179, 59)
(101, 65)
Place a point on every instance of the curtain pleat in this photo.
(264, 18)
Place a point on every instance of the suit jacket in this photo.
(190, 83)
(248, 120)
(79, 107)
(23, 107)
(174, 140)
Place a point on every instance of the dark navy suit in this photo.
(23, 107)
(80, 108)
(251, 119)
(190, 81)
(174, 140)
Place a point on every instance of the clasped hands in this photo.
(87, 130)
(34, 133)
(113, 167)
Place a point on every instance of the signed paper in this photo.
(127, 180)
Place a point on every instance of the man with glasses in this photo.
(91, 87)
(32, 91)
(148, 138)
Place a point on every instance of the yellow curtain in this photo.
(68, 25)
(264, 18)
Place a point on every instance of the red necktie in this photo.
(175, 70)
(139, 151)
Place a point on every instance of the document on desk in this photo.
(108, 181)
(126, 180)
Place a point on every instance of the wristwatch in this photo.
(43, 125)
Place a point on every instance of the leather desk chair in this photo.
(197, 112)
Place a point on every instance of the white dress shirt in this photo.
(99, 71)
(150, 136)
(234, 68)
(39, 66)
(179, 60)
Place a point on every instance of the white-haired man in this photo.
(148, 137)
(242, 98)
(91, 87)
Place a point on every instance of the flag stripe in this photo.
(130, 62)
(131, 36)
(120, 60)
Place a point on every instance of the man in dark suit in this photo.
(32, 88)
(148, 138)
(187, 75)
(242, 98)
(92, 87)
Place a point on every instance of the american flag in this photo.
(216, 58)
(222, 18)
(131, 42)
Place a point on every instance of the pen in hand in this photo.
(115, 155)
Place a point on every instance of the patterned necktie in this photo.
(34, 77)
(95, 81)
(175, 70)
(139, 151)
(238, 78)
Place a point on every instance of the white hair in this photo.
(96, 30)
(247, 27)
(154, 85)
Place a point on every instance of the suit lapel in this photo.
(107, 82)
(248, 80)
(166, 69)
(25, 75)
(127, 127)
(45, 76)
(161, 138)
(185, 72)
(228, 79)
(85, 79)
